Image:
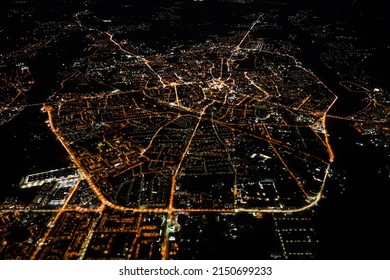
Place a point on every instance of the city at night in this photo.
(194, 130)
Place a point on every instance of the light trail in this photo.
(255, 85)
(158, 131)
(165, 249)
(327, 141)
(177, 96)
(88, 238)
(185, 152)
(303, 102)
(139, 57)
(228, 61)
(246, 35)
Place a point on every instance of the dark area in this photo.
(27, 146)
(352, 225)
(241, 237)
(375, 66)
